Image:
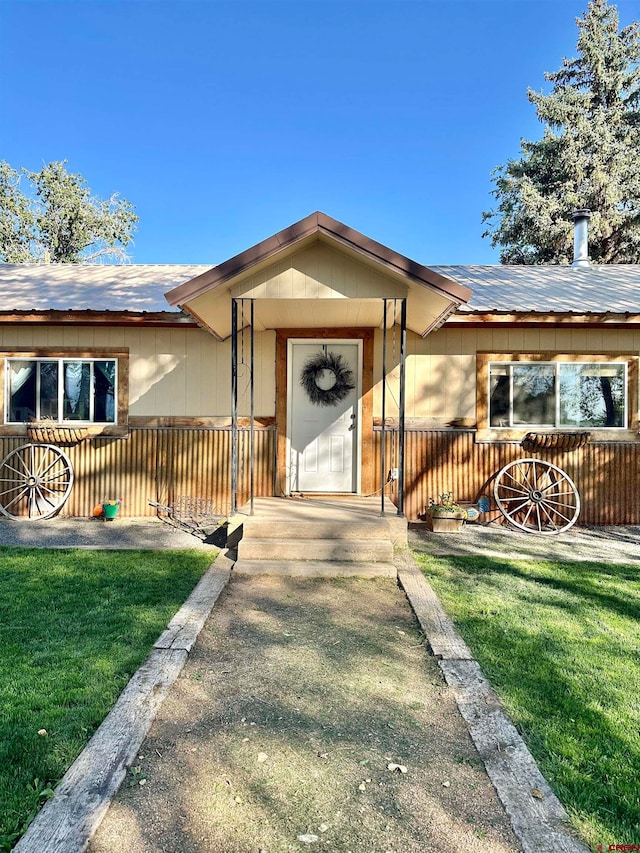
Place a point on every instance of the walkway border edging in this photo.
(67, 822)
(537, 816)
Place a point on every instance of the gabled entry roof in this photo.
(319, 273)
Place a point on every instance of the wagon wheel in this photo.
(536, 496)
(35, 481)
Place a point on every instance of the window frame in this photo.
(120, 356)
(487, 432)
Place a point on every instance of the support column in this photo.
(383, 433)
(403, 356)
(252, 426)
(234, 406)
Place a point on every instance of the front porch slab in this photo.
(345, 510)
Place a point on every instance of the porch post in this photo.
(251, 426)
(234, 406)
(383, 433)
(403, 355)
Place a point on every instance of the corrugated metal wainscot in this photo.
(607, 474)
(164, 465)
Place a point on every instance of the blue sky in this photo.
(223, 122)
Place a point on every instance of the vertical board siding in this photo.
(171, 464)
(607, 475)
(164, 465)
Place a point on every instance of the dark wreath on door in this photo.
(326, 378)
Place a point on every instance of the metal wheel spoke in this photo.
(525, 477)
(17, 497)
(49, 467)
(18, 455)
(62, 477)
(517, 481)
(551, 485)
(558, 503)
(44, 497)
(42, 488)
(557, 512)
(528, 514)
(521, 505)
(15, 471)
(548, 514)
(520, 491)
(538, 517)
(13, 488)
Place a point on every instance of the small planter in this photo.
(447, 522)
(47, 434)
(562, 441)
(111, 509)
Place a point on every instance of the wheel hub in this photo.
(535, 496)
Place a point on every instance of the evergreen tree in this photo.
(60, 220)
(588, 157)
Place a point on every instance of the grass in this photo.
(560, 642)
(74, 626)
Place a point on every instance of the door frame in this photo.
(357, 449)
(366, 445)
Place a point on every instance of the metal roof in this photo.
(611, 288)
(92, 287)
(141, 288)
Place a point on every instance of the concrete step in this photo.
(338, 550)
(314, 568)
(377, 528)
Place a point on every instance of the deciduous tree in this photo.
(59, 219)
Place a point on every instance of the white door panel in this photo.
(323, 439)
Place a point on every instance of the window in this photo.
(558, 395)
(61, 389)
(517, 392)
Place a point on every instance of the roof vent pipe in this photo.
(581, 238)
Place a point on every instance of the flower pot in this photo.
(111, 509)
(447, 522)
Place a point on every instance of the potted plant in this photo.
(446, 515)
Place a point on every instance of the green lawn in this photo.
(560, 642)
(74, 626)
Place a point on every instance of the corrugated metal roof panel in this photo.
(547, 289)
(95, 287)
(141, 287)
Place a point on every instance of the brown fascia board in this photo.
(317, 224)
(533, 319)
(98, 318)
(398, 263)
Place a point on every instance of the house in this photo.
(322, 362)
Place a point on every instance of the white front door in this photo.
(323, 415)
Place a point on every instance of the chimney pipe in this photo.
(581, 238)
